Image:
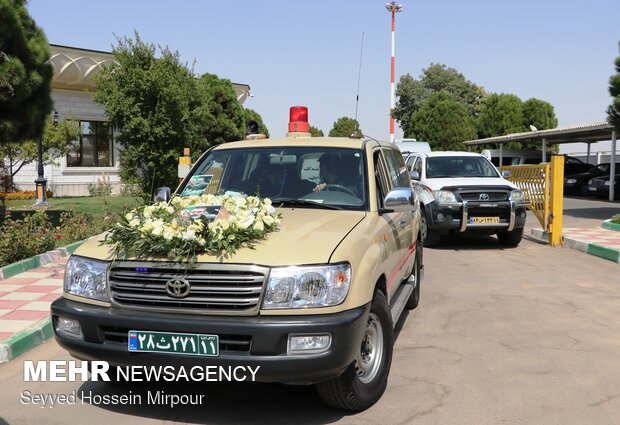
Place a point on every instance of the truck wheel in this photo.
(362, 384)
(430, 237)
(414, 298)
(510, 238)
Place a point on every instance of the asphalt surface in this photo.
(518, 336)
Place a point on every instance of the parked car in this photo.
(312, 303)
(572, 165)
(578, 182)
(463, 192)
(599, 186)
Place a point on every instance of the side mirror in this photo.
(414, 175)
(399, 199)
(505, 174)
(163, 194)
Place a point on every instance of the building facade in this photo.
(97, 156)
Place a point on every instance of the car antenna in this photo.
(359, 77)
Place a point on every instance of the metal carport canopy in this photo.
(589, 133)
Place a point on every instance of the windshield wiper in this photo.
(303, 203)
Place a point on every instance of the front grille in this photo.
(211, 290)
(475, 196)
(236, 343)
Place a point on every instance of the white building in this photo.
(98, 155)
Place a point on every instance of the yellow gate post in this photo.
(557, 200)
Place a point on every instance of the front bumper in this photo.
(458, 216)
(265, 339)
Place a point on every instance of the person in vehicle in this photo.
(338, 170)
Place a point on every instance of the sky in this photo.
(308, 52)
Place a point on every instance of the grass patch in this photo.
(86, 204)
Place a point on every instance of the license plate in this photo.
(592, 189)
(177, 343)
(484, 220)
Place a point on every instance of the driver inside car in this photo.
(335, 170)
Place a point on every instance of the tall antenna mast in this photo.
(393, 8)
(359, 77)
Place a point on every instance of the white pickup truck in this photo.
(464, 192)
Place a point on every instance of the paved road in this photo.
(518, 336)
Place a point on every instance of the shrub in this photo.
(25, 194)
(75, 226)
(22, 239)
(100, 188)
(615, 219)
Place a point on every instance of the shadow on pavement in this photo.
(223, 402)
(594, 213)
(458, 242)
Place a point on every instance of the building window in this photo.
(96, 146)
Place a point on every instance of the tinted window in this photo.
(459, 166)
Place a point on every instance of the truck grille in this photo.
(475, 196)
(210, 290)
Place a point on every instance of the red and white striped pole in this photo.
(393, 7)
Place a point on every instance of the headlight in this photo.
(606, 183)
(305, 287)
(590, 182)
(571, 181)
(517, 195)
(444, 196)
(87, 278)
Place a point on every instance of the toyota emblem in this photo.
(483, 197)
(178, 288)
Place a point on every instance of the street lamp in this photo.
(392, 7)
(41, 181)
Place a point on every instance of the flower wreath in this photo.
(188, 226)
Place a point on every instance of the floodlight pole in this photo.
(392, 7)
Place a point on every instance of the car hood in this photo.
(437, 184)
(305, 236)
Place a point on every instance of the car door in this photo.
(403, 221)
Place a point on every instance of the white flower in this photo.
(259, 225)
(268, 220)
(168, 233)
(158, 228)
(134, 223)
(129, 216)
(188, 235)
(246, 220)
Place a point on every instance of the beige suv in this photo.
(315, 302)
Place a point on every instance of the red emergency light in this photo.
(298, 120)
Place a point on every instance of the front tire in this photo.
(430, 237)
(510, 238)
(363, 383)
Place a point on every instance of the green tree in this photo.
(443, 122)
(501, 114)
(437, 77)
(220, 116)
(613, 112)
(156, 104)
(344, 127)
(316, 132)
(57, 142)
(252, 115)
(25, 74)
(539, 114)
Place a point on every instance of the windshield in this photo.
(306, 177)
(459, 166)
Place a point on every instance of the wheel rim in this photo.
(370, 355)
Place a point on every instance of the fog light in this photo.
(440, 217)
(301, 344)
(69, 327)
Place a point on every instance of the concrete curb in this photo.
(589, 248)
(38, 260)
(607, 224)
(26, 340)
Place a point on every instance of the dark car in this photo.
(578, 182)
(600, 186)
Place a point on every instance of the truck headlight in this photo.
(571, 181)
(517, 195)
(87, 278)
(444, 196)
(307, 286)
